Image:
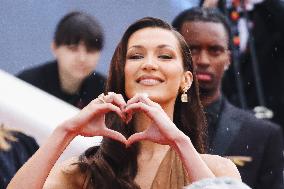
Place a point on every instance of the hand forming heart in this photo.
(91, 120)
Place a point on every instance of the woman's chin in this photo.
(159, 98)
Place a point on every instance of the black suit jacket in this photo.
(46, 77)
(240, 133)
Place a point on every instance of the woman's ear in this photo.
(187, 80)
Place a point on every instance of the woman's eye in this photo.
(165, 56)
(135, 56)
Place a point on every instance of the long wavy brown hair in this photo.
(112, 164)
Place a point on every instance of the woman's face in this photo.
(154, 65)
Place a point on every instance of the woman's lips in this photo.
(149, 82)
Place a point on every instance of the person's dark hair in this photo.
(76, 27)
(203, 15)
(112, 164)
(221, 5)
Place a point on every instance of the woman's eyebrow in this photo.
(165, 46)
(162, 46)
(135, 47)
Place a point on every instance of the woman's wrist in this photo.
(65, 131)
(192, 161)
(181, 141)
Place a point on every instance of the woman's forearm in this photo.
(195, 166)
(34, 172)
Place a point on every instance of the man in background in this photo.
(77, 44)
(254, 145)
(265, 26)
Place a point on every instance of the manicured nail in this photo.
(145, 95)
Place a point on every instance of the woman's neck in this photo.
(142, 122)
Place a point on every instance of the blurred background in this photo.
(26, 27)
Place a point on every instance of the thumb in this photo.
(114, 135)
(135, 138)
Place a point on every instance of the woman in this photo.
(152, 139)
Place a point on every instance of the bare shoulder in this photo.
(65, 175)
(221, 166)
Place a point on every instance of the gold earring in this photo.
(183, 97)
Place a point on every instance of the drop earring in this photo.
(183, 97)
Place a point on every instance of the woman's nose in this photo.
(149, 64)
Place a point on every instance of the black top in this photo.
(46, 77)
(13, 159)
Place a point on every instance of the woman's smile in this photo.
(149, 80)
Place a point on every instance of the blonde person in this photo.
(15, 149)
(154, 136)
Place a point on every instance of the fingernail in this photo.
(145, 95)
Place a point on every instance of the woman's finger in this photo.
(96, 109)
(113, 135)
(108, 107)
(140, 106)
(116, 99)
(136, 138)
(141, 97)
